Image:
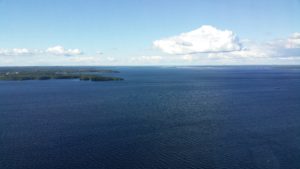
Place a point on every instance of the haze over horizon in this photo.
(149, 32)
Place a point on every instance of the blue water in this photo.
(159, 117)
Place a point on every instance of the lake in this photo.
(222, 117)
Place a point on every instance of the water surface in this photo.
(158, 118)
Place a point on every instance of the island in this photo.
(47, 73)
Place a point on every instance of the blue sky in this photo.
(123, 32)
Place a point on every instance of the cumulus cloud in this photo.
(152, 58)
(293, 41)
(285, 47)
(56, 55)
(59, 50)
(205, 39)
(188, 58)
(208, 42)
(110, 59)
(84, 59)
(147, 59)
(17, 52)
(206, 45)
(56, 50)
(276, 49)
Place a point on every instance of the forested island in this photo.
(47, 73)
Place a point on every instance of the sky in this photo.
(149, 32)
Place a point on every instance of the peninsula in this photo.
(47, 73)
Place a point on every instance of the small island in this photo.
(47, 73)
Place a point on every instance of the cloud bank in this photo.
(18, 52)
(55, 50)
(206, 45)
(293, 41)
(210, 43)
(56, 55)
(59, 50)
(205, 39)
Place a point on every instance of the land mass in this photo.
(47, 73)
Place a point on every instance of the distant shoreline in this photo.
(47, 73)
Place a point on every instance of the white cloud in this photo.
(205, 39)
(147, 59)
(110, 59)
(17, 52)
(274, 49)
(279, 48)
(59, 50)
(83, 59)
(188, 58)
(180, 50)
(251, 50)
(56, 50)
(51, 56)
(210, 43)
(293, 41)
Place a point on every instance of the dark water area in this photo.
(157, 118)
